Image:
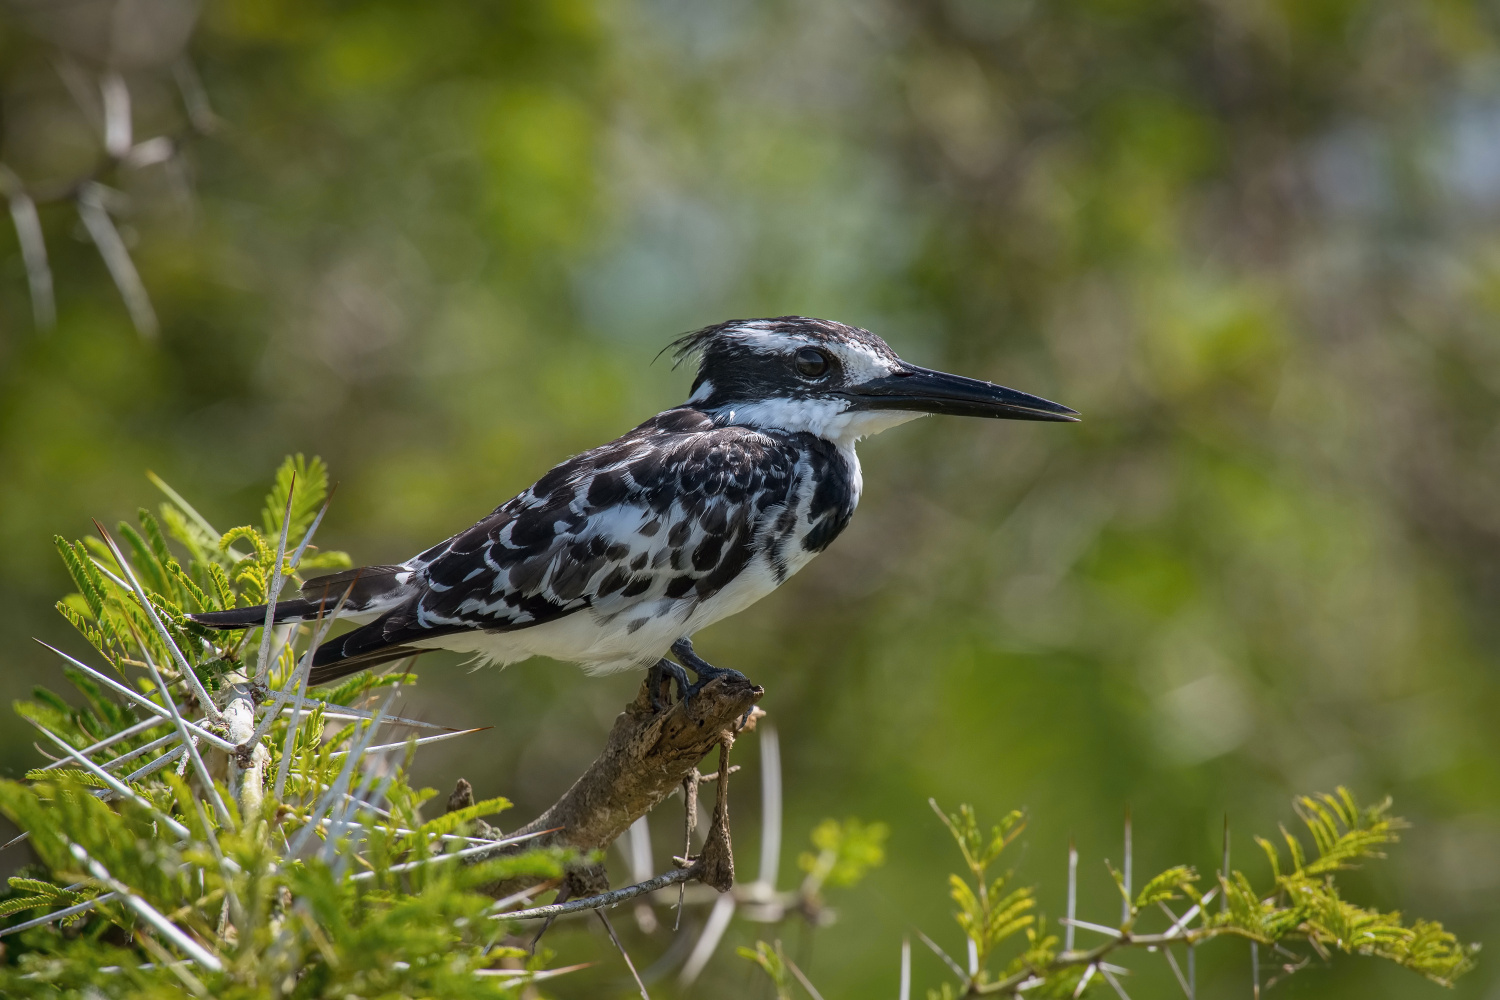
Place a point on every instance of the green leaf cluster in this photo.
(1307, 904)
(1303, 907)
(989, 911)
(290, 897)
(845, 852)
(772, 961)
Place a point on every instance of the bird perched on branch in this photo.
(622, 553)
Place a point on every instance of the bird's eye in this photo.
(811, 362)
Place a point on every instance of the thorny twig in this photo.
(109, 112)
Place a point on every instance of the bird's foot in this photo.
(662, 670)
(683, 650)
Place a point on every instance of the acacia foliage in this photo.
(1301, 907)
(338, 886)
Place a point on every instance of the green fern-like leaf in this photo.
(1165, 886)
(450, 822)
(311, 477)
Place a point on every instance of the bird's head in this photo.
(838, 382)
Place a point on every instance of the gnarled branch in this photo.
(646, 757)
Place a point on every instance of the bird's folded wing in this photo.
(658, 515)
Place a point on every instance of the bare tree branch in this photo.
(646, 757)
(598, 900)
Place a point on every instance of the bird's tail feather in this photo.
(296, 610)
(334, 669)
(368, 588)
(364, 590)
(389, 637)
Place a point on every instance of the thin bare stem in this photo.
(1095, 956)
(263, 663)
(1109, 977)
(603, 899)
(932, 945)
(341, 784)
(149, 913)
(1072, 894)
(117, 124)
(115, 784)
(770, 812)
(345, 713)
(194, 98)
(124, 734)
(638, 849)
(126, 758)
(300, 679)
(1224, 872)
(160, 711)
(708, 941)
(191, 512)
(1177, 971)
(70, 911)
(226, 867)
(497, 908)
(312, 529)
(28, 223)
(469, 852)
(610, 928)
(807, 985)
(386, 747)
(191, 676)
(156, 765)
(1096, 928)
(533, 977)
(106, 237)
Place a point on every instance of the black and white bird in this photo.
(622, 553)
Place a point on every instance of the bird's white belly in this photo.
(604, 645)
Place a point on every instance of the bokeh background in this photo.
(1253, 241)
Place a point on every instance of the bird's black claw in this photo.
(664, 668)
(683, 650)
(660, 671)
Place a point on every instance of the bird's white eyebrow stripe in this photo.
(770, 340)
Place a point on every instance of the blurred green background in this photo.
(1253, 241)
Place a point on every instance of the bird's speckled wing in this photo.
(673, 510)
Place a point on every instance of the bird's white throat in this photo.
(830, 419)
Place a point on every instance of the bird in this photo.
(618, 556)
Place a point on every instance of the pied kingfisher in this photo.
(622, 553)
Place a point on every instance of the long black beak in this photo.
(927, 391)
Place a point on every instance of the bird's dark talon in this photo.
(660, 671)
(683, 650)
(654, 676)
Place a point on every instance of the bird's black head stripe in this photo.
(736, 368)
